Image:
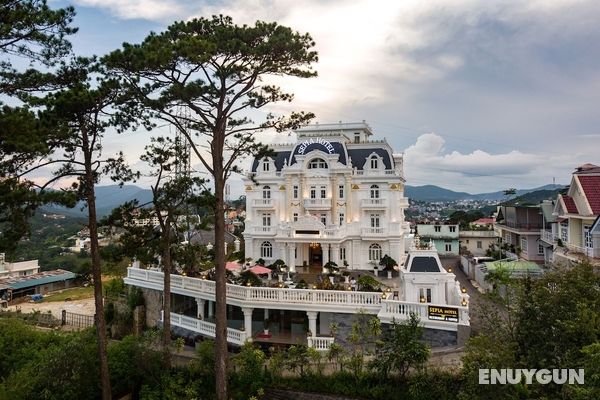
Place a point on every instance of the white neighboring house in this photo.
(13, 270)
(333, 195)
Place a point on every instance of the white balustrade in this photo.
(320, 343)
(234, 336)
(374, 231)
(262, 203)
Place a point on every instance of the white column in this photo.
(200, 310)
(211, 309)
(335, 254)
(248, 322)
(282, 254)
(292, 257)
(326, 253)
(312, 322)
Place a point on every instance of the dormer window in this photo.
(374, 162)
(317, 163)
(266, 165)
(356, 137)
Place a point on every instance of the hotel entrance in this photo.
(315, 254)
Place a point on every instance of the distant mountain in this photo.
(107, 198)
(435, 193)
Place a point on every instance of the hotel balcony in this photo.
(374, 232)
(548, 236)
(265, 230)
(317, 204)
(374, 204)
(263, 203)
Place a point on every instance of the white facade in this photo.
(13, 270)
(334, 195)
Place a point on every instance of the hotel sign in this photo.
(325, 143)
(437, 313)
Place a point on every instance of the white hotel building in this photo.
(334, 195)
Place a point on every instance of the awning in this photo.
(260, 270)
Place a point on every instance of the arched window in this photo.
(266, 250)
(374, 162)
(265, 165)
(317, 163)
(374, 191)
(266, 193)
(374, 252)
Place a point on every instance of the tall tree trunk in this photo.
(166, 261)
(221, 354)
(96, 272)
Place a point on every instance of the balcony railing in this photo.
(321, 343)
(374, 203)
(271, 230)
(401, 310)
(548, 236)
(234, 336)
(374, 231)
(318, 204)
(586, 251)
(263, 203)
(521, 225)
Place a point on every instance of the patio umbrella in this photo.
(233, 266)
(260, 270)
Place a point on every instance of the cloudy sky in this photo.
(479, 95)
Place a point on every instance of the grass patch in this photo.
(77, 293)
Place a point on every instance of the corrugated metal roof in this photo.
(41, 278)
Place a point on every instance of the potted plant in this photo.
(346, 275)
(388, 263)
(330, 267)
(375, 269)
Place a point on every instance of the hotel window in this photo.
(324, 219)
(374, 162)
(341, 190)
(437, 228)
(524, 244)
(357, 137)
(479, 244)
(374, 252)
(295, 192)
(265, 165)
(374, 191)
(342, 216)
(266, 219)
(374, 220)
(295, 217)
(448, 247)
(587, 237)
(266, 250)
(317, 163)
(540, 250)
(313, 192)
(323, 192)
(342, 253)
(266, 192)
(424, 295)
(452, 228)
(564, 232)
(295, 253)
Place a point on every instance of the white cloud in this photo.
(157, 10)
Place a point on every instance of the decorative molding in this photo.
(341, 204)
(355, 187)
(295, 204)
(248, 188)
(282, 187)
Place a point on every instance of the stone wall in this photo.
(153, 303)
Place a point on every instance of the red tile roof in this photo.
(591, 188)
(483, 221)
(570, 204)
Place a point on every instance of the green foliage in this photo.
(135, 297)
(297, 358)
(248, 277)
(114, 288)
(400, 349)
(388, 262)
(363, 337)
(249, 370)
(367, 283)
